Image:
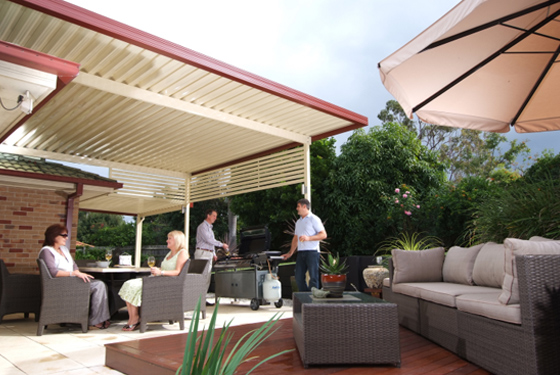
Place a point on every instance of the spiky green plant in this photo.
(406, 241)
(333, 266)
(206, 358)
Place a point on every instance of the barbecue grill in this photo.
(242, 275)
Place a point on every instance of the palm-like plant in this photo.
(405, 241)
(203, 357)
(333, 266)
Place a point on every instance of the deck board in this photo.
(163, 355)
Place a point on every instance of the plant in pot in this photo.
(333, 277)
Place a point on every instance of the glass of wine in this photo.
(151, 261)
(379, 259)
(108, 255)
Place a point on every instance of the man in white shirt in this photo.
(206, 242)
(309, 232)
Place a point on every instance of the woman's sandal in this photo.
(132, 327)
(102, 325)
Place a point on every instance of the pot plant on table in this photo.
(333, 277)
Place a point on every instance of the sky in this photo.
(325, 48)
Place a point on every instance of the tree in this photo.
(475, 153)
(364, 177)
(89, 223)
(432, 136)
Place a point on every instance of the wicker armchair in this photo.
(19, 293)
(64, 300)
(196, 286)
(164, 298)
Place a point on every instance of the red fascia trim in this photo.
(50, 177)
(64, 69)
(114, 29)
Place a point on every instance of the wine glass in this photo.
(379, 259)
(108, 255)
(151, 261)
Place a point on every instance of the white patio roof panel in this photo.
(143, 102)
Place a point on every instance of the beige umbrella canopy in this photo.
(485, 65)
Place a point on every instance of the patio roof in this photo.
(150, 109)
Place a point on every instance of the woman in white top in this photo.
(131, 291)
(58, 260)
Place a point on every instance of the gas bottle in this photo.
(272, 288)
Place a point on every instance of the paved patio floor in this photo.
(66, 350)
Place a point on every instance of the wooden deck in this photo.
(163, 355)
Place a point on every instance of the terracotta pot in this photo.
(335, 284)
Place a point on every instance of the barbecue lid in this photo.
(254, 240)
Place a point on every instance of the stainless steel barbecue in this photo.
(242, 275)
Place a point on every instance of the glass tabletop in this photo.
(348, 297)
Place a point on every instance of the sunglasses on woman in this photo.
(65, 235)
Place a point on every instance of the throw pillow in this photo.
(417, 266)
(459, 263)
(510, 287)
(488, 267)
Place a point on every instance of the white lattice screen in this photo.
(279, 169)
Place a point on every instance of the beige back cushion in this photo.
(488, 267)
(418, 266)
(510, 287)
(537, 238)
(459, 263)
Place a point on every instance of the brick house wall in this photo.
(25, 214)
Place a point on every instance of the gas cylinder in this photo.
(272, 288)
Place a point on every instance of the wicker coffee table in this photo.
(358, 329)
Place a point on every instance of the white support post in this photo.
(307, 172)
(187, 208)
(138, 252)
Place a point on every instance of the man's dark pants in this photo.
(307, 261)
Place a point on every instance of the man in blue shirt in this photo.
(309, 232)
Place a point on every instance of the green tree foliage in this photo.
(521, 210)
(450, 210)
(371, 165)
(473, 153)
(276, 207)
(546, 167)
(89, 223)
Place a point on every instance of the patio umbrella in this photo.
(485, 65)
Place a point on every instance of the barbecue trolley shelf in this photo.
(245, 283)
(243, 276)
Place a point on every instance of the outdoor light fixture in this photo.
(26, 104)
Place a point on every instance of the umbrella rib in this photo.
(535, 87)
(487, 60)
(490, 24)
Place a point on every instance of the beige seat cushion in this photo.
(418, 266)
(459, 263)
(513, 246)
(488, 267)
(446, 293)
(486, 304)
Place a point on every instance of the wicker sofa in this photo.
(496, 305)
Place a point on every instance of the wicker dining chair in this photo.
(19, 293)
(165, 298)
(63, 300)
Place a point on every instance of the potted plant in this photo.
(334, 275)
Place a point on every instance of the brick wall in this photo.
(24, 216)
